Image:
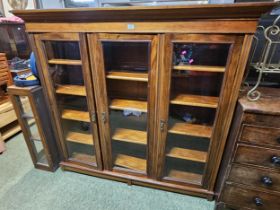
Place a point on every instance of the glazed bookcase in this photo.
(144, 95)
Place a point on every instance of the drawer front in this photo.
(261, 135)
(258, 156)
(262, 120)
(247, 198)
(255, 177)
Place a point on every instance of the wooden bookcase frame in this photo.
(233, 24)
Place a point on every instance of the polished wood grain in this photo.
(76, 90)
(248, 155)
(184, 176)
(236, 64)
(65, 62)
(132, 76)
(191, 130)
(156, 13)
(195, 100)
(83, 157)
(200, 68)
(130, 162)
(131, 136)
(123, 104)
(267, 106)
(187, 154)
(261, 135)
(242, 198)
(78, 137)
(252, 176)
(90, 97)
(199, 26)
(70, 114)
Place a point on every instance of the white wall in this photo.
(7, 7)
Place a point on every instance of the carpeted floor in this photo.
(24, 188)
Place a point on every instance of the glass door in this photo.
(64, 62)
(193, 76)
(125, 68)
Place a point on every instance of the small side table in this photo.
(39, 136)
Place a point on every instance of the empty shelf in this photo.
(81, 138)
(131, 136)
(143, 77)
(65, 62)
(200, 68)
(83, 157)
(77, 90)
(130, 162)
(187, 154)
(70, 114)
(123, 104)
(195, 100)
(191, 130)
(185, 176)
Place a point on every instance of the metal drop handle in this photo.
(266, 180)
(258, 201)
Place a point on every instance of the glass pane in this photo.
(196, 82)
(25, 107)
(127, 65)
(34, 138)
(66, 72)
(40, 153)
(200, 54)
(62, 50)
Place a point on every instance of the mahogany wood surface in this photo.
(249, 169)
(158, 13)
(109, 89)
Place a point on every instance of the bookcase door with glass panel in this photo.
(65, 64)
(194, 78)
(124, 80)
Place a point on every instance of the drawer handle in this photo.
(275, 160)
(266, 180)
(258, 201)
(278, 140)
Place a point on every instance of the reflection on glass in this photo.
(127, 65)
(65, 69)
(25, 106)
(196, 83)
(39, 152)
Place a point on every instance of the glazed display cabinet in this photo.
(30, 107)
(144, 95)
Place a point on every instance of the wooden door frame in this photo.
(227, 98)
(41, 55)
(99, 80)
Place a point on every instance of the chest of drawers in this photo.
(250, 172)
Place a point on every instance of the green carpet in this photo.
(24, 188)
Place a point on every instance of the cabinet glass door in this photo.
(38, 151)
(198, 67)
(65, 63)
(126, 110)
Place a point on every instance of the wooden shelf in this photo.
(77, 90)
(83, 157)
(187, 154)
(191, 130)
(65, 62)
(200, 68)
(131, 136)
(81, 138)
(134, 105)
(185, 176)
(142, 77)
(70, 114)
(195, 100)
(130, 162)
